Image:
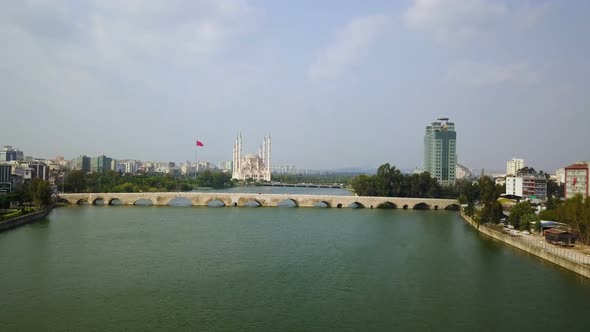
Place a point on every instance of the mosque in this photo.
(256, 167)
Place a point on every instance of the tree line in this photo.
(391, 182)
(35, 191)
(79, 181)
(329, 178)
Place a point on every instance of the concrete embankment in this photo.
(22, 220)
(581, 269)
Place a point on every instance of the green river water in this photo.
(121, 268)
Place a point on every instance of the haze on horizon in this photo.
(336, 83)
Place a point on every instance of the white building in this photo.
(527, 186)
(577, 179)
(560, 176)
(512, 166)
(127, 166)
(255, 167)
(226, 165)
(463, 172)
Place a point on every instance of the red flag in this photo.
(199, 143)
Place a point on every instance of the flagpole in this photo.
(196, 164)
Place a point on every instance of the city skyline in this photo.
(350, 88)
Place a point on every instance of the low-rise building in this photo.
(528, 186)
(5, 178)
(576, 179)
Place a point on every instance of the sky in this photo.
(336, 83)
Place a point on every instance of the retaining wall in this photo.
(18, 221)
(537, 251)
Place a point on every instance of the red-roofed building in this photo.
(576, 179)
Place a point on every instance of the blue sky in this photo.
(336, 83)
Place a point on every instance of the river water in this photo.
(87, 268)
(281, 190)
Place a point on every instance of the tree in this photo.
(76, 181)
(518, 212)
(490, 213)
(42, 192)
(390, 182)
(363, 185)
(469, 209)
(576, 213)
(526, 220)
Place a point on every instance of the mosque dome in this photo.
(252, 156)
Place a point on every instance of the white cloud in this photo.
(178, 30)
(452, 18)
(449, 20)
(478, 74)
(349, 46)
(66, 62)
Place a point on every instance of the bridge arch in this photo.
(143, 202)
(288, 202)
(179, 202)
(422, 206)
(453, 207)
(115, 201)
(99, 201)
(82, 201)
(356, 205)
(252, 203)
(339, 205)
(63, 200)
(322, 204)
(405, 207)
(215, 203)
(387, 205)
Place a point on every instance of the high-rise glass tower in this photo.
(440, 158)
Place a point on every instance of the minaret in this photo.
(264, 151)
(240, 156)
(268, 156)
(235, 159)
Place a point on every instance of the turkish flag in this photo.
(199, 143)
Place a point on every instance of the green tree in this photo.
(491, 210)
(363, 185)
(576, 213)
(527, 220)
(76, 181)
(42, 192)
(469, 209)
(518, 212)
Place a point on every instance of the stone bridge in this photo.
(253, 199)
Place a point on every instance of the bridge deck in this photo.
(245, 199)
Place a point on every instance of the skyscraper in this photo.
(440, 158)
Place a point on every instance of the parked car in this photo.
(510, 227)
(526, 232)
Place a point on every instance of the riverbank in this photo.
(545, 251)
(22, 220)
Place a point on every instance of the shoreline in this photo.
(541, 252)
(23, 220)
